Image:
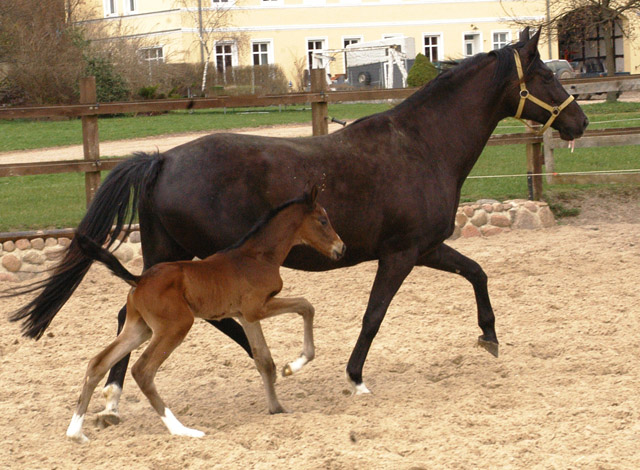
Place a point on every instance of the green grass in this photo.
(57, 201)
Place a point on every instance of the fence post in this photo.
(534, 168)
(320, 110)
(90, 139)
(549, 159)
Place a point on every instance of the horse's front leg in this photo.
(301, 306)
(447, 259)
(393, 268)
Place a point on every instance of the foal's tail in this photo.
(116, 201)
(94, 251)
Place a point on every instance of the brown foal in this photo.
(241, 281)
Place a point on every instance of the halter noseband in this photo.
(525, 95)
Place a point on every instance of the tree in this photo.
(212, 27)
(577, 20)
(421, 72)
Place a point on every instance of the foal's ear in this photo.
(530, 49)
(312, 195)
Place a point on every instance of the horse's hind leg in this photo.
(447, 259)
(264, 363)
(135, 332)
(167, 336)
(302, 307)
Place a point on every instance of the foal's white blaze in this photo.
(74, 431)
(176, 428)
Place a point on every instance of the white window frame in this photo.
(439, 45)
(325, 46)
(233, 54)
(127, 7)
(107, 8)
(270, 56)
(271, 3)
(477, 43)
(156, 59)
(353, 37)
(498, 45)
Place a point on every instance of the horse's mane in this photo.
(264, 220)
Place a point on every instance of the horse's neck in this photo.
(273, 242)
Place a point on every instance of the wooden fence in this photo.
(319, 97)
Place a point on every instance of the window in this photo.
(431, 46)
(224, 56)
(110, 8)
(260, 51)
(313, 46)
(471, 44)
(152, 54)
(345, 43)
(131, 6)
(501, 39)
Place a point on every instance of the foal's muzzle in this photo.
(338, 250)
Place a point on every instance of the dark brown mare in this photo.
(241, 282)
(391, 184)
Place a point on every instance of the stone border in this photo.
(24, 259)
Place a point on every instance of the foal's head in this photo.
(316, 230)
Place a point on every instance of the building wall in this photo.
(282, 29)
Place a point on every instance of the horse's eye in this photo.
(323, 221)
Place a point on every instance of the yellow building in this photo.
(288, 32)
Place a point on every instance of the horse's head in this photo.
(316, 230)
(537, 94)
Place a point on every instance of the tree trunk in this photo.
(610, 59)
(204, 76)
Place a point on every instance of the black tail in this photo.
(117, 199)
(94, 251)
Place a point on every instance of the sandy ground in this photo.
(562, 395)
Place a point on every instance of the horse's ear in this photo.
(524, 34)
(313, 194)
(530, 49)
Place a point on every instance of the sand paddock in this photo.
(563, 394)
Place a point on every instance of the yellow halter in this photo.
(525, 95)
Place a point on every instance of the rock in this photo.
(9, 246)
(124, 253)
(461, 219)
(468, 211)
(34, 257)
(469, 231)
(8, 277)
(457, 231)
(37, 243)
(23, 244)
(488, 201)
(488, 230)
(134, 237)
(525, 219)
(479, 219)
(11, 263)
(487, 207)
(53, 253)
(50, 242)
(546, 217)
(531, 206)
(64, 241)
(500, 220)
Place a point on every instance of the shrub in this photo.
(110, 86)
(421, 72)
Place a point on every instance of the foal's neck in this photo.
(273, 242)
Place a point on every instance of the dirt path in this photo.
(121, 148)
(563, 394)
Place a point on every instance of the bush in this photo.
(110, 86)
(421, 72)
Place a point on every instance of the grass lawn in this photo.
(57, 201)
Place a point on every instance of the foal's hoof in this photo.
(287, 371)
(107, 418)
(491, 346)
(78, 438)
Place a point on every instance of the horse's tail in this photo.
(94, 251)
(116, 200)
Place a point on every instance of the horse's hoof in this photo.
(491, 346)
(277, 410)
(107, 418)
(78, 438)
(287, 371)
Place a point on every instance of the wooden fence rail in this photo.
(319, 97)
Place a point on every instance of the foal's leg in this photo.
(447, 259)
(134, 333)
(302, 307)
(264, 363)
(167, 336)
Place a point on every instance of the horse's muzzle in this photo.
(338, 250)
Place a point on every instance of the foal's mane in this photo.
(264, 220)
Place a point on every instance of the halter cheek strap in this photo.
(525, 95)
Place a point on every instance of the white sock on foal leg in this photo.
(176, 428)
(295, 366)
(74, 431)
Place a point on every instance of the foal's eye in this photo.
(323, 221)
